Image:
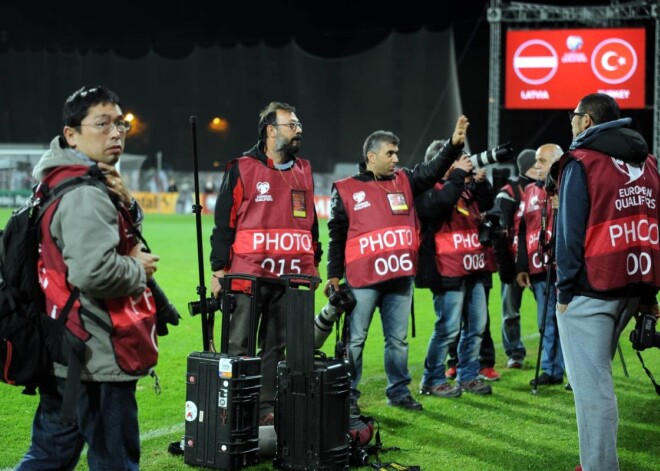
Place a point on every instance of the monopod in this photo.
(207, 317)
(549, 262)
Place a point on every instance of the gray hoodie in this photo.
(85, 228)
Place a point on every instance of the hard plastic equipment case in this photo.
(312, 407)
(222, 398)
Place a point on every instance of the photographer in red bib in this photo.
(266, 225)
(607, 261)
(374, 240)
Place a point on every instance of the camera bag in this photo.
(30, 340)
(222, 397)
(312, 405)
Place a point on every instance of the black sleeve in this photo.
(484, 195)
(507, 207)
(224, 231)
(438, 204)
(426, 174)
(522, 262)
(338, 233)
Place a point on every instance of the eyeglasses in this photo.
(573, 114)
(106, 127)
(292, 125)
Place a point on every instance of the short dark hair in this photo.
(77, 106)
(601, 107)
(377, 139)
(268, 116)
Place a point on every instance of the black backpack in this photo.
(30, 340)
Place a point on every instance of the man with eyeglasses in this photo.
(266, 226)
(374, 241)
(88, 254)
(607, 261)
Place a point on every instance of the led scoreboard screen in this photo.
(550, 69)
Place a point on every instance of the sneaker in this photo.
(405, 402)
(268, 419)
(451, 373)
(514, 363)
(441, 390)
(489, 374)
(546, 379)
(476, 386)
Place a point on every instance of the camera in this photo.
(166, 313)
(644, 336)
(501, 153)
(342, 299)
(490, 230)
(358, 456)
(338, 302)
(213, 304)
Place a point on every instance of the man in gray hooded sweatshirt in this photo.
(89, 252)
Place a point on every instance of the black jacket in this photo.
(422, 177)
(224, 231)
(434, 207)
(611, 139)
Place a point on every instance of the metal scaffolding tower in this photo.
(591, 16)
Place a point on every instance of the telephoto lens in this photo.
(501, 153)
(323, 323)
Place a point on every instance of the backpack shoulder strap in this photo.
(93, 177)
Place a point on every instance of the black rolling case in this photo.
(222, 398)
(312, 407)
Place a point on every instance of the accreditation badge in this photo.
(298, 204)
(398, 203)
(462, 208)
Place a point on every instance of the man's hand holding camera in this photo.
(331, 286)
(147, 259)
(216, 282)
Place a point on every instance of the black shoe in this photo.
(546, 379)
(406, 402)
(568, 387)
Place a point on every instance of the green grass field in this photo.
(511, 430)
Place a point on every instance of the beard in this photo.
(289, 148)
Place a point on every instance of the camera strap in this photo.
(648, 373)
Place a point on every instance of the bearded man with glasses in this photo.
(266, 226)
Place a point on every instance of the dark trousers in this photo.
(106, 420)
(271, 336)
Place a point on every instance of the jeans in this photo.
(394, 299)
(448, 309)
(487, 349)
(552, 360)
(106, 420)
(511, 299)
